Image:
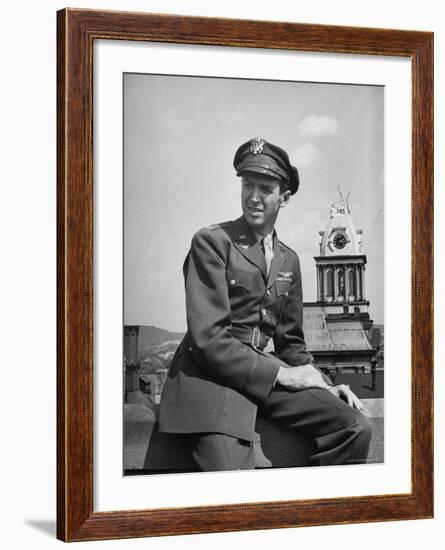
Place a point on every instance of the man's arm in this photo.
(300, 378)
(209, 322)
(291, 348)
(290, 345)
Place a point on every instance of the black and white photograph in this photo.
(214, 214)
(253, 258)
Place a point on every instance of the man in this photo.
(243, 288)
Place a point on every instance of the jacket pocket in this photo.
(238, 280)
(282, 288)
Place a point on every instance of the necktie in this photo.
(268, 250)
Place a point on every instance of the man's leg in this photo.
(341, 433)
(214, 452)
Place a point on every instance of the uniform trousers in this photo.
(341, 433)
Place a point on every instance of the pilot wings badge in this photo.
(285, 276)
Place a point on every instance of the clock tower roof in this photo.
(340, 237)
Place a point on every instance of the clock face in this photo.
(340, 241)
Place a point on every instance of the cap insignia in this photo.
(256, 145)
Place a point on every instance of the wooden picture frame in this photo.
(77, 31)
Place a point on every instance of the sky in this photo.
(180, 137)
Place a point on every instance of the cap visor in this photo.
(259, 170)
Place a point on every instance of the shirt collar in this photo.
(259, 236)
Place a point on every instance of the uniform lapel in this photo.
(277, 262)
(245, 241)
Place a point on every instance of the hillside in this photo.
(156, 347)
(151, 336)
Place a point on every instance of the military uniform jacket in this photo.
(217, 379)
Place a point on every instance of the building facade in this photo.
(338, 329)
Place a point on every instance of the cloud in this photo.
(316, 126)
(305, 155)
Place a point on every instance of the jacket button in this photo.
(268, 292)
(264, 311)
(232, 282)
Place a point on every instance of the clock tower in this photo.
(341, 263)
(338, 330)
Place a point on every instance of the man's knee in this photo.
(354, 421)
(362, 426)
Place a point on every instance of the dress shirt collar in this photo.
(259, 236)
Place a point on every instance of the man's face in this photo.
(261, 200)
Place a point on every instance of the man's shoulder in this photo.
(220, 225)
(287, 249)
(216, 230)
(290, 254)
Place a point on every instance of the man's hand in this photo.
(343, 391)
(300, 378)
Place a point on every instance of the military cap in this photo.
(257, 155)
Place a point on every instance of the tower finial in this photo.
(347, 203)
(341, 199)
